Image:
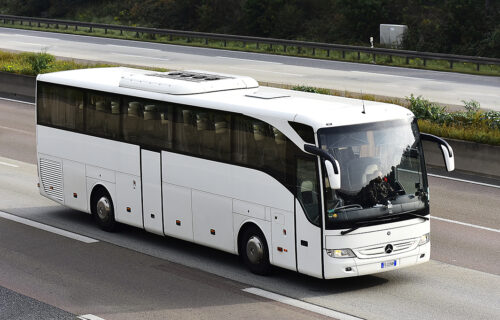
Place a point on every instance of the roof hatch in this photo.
(185, 82)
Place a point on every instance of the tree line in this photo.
(470, 27)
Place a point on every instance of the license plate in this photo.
(389, 264)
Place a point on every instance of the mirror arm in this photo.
(323, 154)
(438, 140)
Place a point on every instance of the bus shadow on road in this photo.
(199, 257)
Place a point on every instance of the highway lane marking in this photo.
(249, 60)
(20, 101)
(301, 304)
(45, 227)
(18, 130)
(466, 224)
(12, 100)
(139, 56)
(277, 72)
(463, 180)
(8, 164)
(89, 317)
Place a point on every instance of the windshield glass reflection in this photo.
(381, 171)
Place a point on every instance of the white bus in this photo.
(326, 186)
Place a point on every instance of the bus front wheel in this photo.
(254, 252)
(104, 212)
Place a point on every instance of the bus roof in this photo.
(230, 93)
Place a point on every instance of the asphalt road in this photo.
(133, 274)
(444, 87)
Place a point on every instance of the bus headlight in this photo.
(340, 253)
(424, 239)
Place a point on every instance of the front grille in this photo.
(379, 249)
(52, 179)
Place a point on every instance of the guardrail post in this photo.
(105, 30)
(90, 30)
(343, 54)
(137, 34)
(359, 55)
(21, 22)
(76, 28)
(225, 43)
(425, 62)
(257, 45)
(284, 48)
(299, 49)
(407, 60)
(206, 41)
(314, 51)
(67, 26)
(38, 24)
(477, 66)
(451, 64)
(57, 26)
(328, 53)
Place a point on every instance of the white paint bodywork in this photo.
(208, 202)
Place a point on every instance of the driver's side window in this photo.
(307, 189)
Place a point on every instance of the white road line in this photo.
(466, 224)
(29, 43)
(139, 56)
(12, 100)
(463, 180)
(276, 72)
(18, 130)
(301, 304)
(44, 227)
(249, 60)
(8, 164)
(89, 317)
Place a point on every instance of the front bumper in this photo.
(351, 267)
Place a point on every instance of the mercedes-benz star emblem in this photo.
(388, 248)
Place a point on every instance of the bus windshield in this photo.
(381, 173)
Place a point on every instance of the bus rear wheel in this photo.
(104, 212)
(254, 252)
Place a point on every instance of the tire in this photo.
(104, 212)
(254, 252)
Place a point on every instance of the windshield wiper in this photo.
(389, 217)
(360, 224)
(407, 213)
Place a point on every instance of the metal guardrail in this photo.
(284, 44)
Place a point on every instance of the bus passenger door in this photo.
(308, 218)
(151, 191)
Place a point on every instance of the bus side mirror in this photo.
(448, 156)
(333, 178)
(447, 151)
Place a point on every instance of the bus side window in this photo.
(132, 123)
(222, 136)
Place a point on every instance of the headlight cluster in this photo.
(424, 239)
(340, 253)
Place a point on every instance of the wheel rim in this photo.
(255, 250)
(103, 208)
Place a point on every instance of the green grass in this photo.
(439, 65)
(29, 63)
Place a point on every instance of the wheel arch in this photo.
(97, 189)
(249, 224)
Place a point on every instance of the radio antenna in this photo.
(364, 111)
